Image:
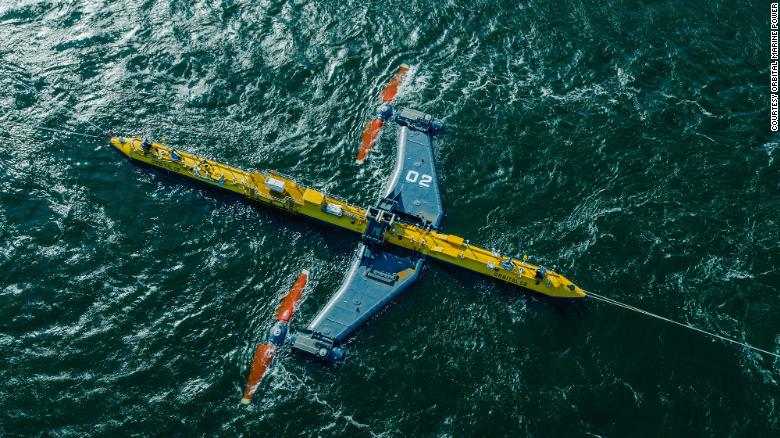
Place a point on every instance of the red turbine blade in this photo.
(369, 137)
(388, 94)
(287, 307)
(260, 362)
(372, 130)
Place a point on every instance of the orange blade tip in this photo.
(260, 362)
(287, 307)
(368, 138)
(390, 91)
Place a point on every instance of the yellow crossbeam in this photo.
(280, 191)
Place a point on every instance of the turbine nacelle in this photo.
(278, 333)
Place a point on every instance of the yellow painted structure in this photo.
(277, 190)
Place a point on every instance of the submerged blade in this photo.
(287, 306)
(388, 94)
(260, 363)
(369, 137)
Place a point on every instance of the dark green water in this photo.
(626, 141)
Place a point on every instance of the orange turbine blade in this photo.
(388, 94)
(285, 310)
(260, 362)
(369, 137)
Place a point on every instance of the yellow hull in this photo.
(280, 191)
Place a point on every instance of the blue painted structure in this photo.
(379, 273)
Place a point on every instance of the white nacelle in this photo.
(333, 209)
(275, 185)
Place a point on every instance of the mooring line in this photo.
(681, 324)
(68, 131)
(59, 131)
(61, 105)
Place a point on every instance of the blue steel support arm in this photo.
(378, 273)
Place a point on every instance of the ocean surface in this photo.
(627, 142)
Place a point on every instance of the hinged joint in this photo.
(379, 221)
